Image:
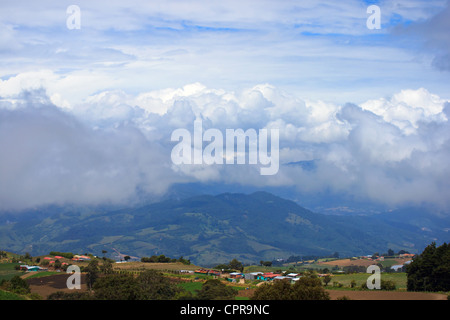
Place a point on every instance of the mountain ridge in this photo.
(212, 228)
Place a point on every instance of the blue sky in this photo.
(370, 106)
(318, 49)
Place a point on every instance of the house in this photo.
(186, 271)
(207, 272)
(31, 268)
(201, 271)
(268, 276)
(34, 268)
(214, 273)
(252, 275)
(281, 278)
(321, 275)
(81, 258)
(397, 267)
(235, 275)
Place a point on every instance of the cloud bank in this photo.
(114, 148)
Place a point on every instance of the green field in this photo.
(7, 271)
(360, 278)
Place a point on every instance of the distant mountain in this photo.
(213, 229)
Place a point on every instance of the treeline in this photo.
(163, 259)
(67, 255)
(148, 285)
(233, 265)
(291, 259)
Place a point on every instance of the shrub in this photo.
(387, 285)
(18, 285)
(214, 289)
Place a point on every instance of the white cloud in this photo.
(407, 108)
(110, 149)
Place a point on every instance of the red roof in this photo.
(270, 275)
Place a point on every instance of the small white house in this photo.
(397, 267)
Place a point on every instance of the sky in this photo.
(89, 98)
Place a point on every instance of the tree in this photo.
(154, 286)
(390, 252)
(326, 279)
(236, 265)
(92, 273)
(267, 263)
(309, 288)
(278, 290)
(184, 261)
(106, 267)
(27, 256)
(116, 287)
(57, 264)
(126, 258)
(214, 289)
(430, 271)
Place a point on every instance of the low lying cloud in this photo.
(49, 156)
(114, 147)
